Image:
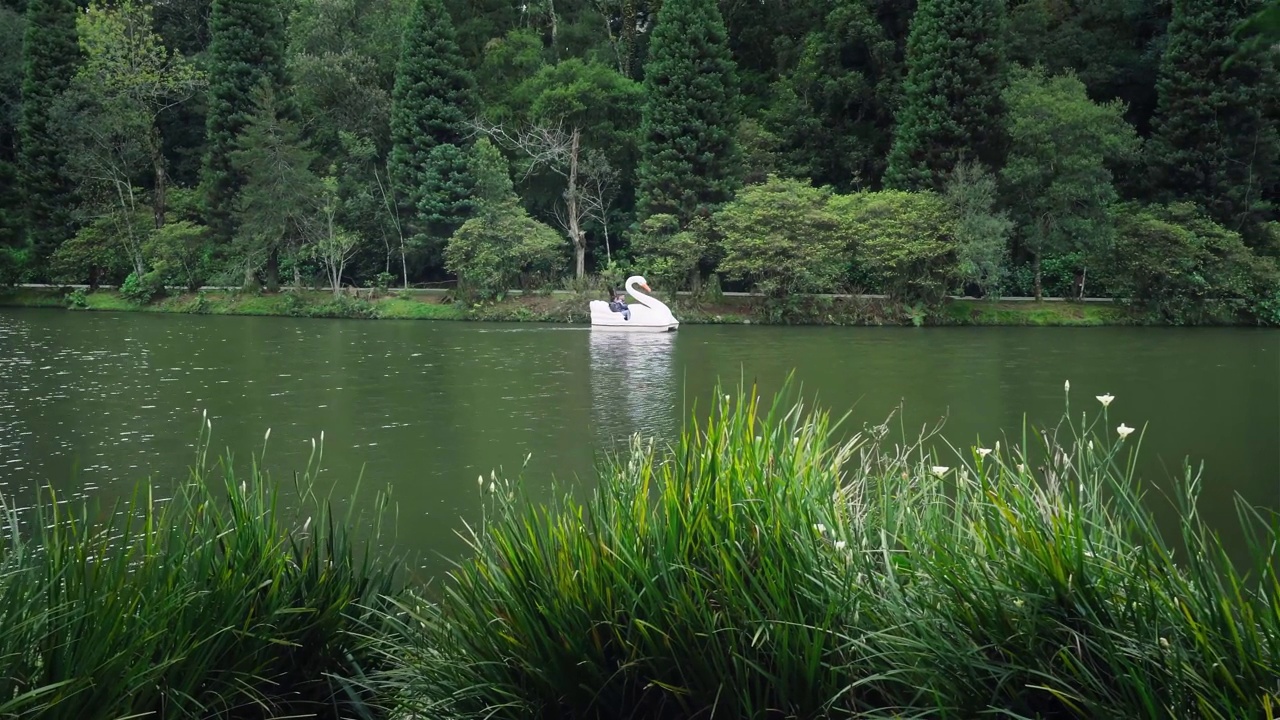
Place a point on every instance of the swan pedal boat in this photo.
(648, 314)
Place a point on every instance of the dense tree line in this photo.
(915, 148)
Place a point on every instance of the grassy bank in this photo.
(763, 567)
(213, 602)
(563, 308)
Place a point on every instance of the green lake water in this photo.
(96, 402)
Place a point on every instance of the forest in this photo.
(920, 149)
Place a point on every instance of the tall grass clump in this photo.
(764, 567)
(214, 603)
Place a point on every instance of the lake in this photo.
(95, 402)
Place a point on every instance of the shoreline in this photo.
(570, 308)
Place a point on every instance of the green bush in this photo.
(763, 568)
(94, 250)
(77, 299)
(494, 251)
(781, 236)
(181, 253)
(214, 603)
(142, 290)
(903, 239)
(1183, 268)
(668, 253)
(13, 265)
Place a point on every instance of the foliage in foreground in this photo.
(210, 604)
(763, 568)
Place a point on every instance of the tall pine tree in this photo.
(687, 159)
(952, 108)
(1215, 141)
(247, 47)
(431, 104)
(50, 57)
(11, 226)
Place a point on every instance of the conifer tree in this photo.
(687, 158)
(246, 48)
(1213, 142)
(50, 57)
(277, 197)
(952, 107)
(12, 232)
(431, 104)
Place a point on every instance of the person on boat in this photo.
(618, 304)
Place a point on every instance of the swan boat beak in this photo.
(646, 287)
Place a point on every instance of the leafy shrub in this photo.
(904, 239)
(1182, 267)
(782, 236)
(142, 290)
(181, 253)
(493, 251)
(501, 248)
(982, 232)
(13, 265)
(77, 299)
(382, 281)
(668, 253)
(93, 252)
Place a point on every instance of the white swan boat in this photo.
(648, 314)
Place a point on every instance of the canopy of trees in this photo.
(919, 149)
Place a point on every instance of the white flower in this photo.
(493, 487)
(480, 480)
(1067, 386)
(820, 528)
(1022, 468)
(940, 470)
(840, 544)
(983, 452)
(1124, 431)
(726, 398)
(267, 436)
(1090, 446)
(1106, 399)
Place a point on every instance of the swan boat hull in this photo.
(625, 326)
(643, 319)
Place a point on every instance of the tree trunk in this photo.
(273, 271)
(297, 277)
(695, 282)
(1035, 269)
(159, 199)
(627, 48)
(93, 278)
(571, 199)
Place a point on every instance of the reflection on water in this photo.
(633, 386)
